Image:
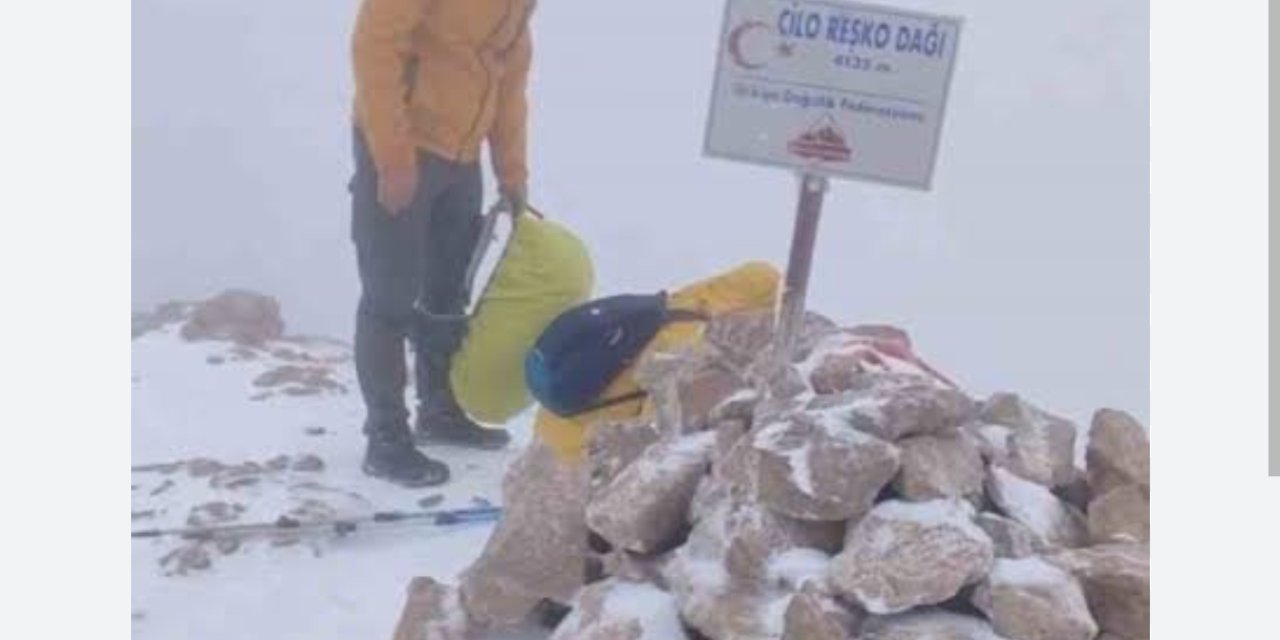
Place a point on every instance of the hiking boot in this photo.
(396, 460)
(442, 421)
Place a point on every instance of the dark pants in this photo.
(412, 270)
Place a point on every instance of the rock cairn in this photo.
(860, 494)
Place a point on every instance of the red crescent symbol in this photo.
(735, 43)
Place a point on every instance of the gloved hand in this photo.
(516, 197)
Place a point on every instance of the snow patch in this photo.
(954, 513)
(836, 424)
(968, 627)
(1028, 502)
(774, 438)
(675, 455)
(656, 609)
(797, 566)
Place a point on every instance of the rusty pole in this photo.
(799, 265)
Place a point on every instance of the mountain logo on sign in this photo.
(823, 141)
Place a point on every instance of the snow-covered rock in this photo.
(1121, 515)
(843, 359)
(144, 322)
(705, 390)
(620, 610)
(813, 615)
(635, 567)
(819, 468)
(944, 465)
(892, 407)
(1033, 505)
(904, 555)
(742, 339)
(611, 447)
(728, 432)
(719, 606)
(1012, 539)
(431, 611)
(1118, 453)
(1041, 446)
(991, 440)
(1117, 584)
(752, 544)
(736, 572)
(236, 315)
(1044, 451)
(646, 505)
(739, 407)
(1030, 599)
(928, 624)
(540, 550)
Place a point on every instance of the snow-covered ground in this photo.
(196, 400)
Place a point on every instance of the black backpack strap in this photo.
(610, 402)
(686, 315)
(680, 315)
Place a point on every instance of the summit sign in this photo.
(832, 89)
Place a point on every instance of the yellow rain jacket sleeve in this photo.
(444, 76)
(753, 285)
(508, 138)
(381, 51)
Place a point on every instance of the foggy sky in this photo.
(1025, 268)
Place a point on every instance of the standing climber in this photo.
(434, 79)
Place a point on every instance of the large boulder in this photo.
(818, 468)
(1030, 599)
(539, 550)
(904, 555)
(813, 615)
(1047, 516)
(645, 507)
(243, 317)
(1041, 446)
(1119, 452)
(1117, 584)
(1121, 515)
(944, 465)
(928, 624)
(620, 610)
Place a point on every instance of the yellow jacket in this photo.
(753, 285)
(442, 75)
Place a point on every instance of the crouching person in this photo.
(539, 551)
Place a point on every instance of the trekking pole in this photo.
(341, 527)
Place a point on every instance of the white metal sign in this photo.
(832, 88)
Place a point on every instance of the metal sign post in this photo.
(799, 265)
(831, 89)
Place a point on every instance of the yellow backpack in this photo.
(543, 271)
(748, 286)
